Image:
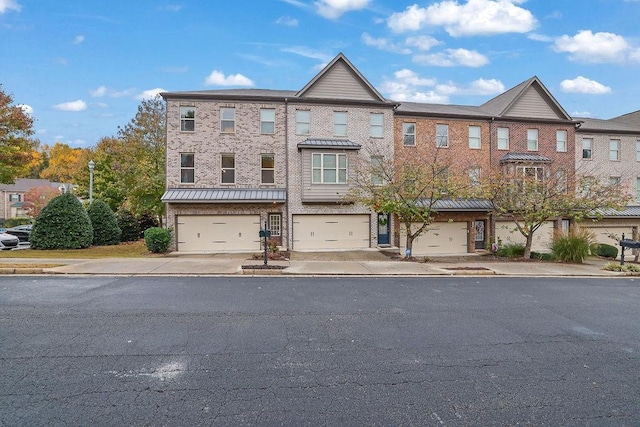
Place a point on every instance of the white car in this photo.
(8, 241)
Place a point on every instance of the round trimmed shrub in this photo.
(606, 251)
(105, 225)
(157, 239)
(129, 226)
(62, 224)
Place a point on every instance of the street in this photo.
(319, 351)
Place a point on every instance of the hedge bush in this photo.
(104, 223)
(62, 224)
(146, 220)
(511, 250)
(157, 239)
(606, 251)
(129, 226)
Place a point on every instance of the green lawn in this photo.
(123, 250)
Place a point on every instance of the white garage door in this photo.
(604, 232)
(441, 238)
(216, 233)
(313, 232)
(507, 232)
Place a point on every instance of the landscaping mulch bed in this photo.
(264, 267)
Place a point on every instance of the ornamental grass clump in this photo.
(572, 247)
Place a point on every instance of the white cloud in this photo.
(583, 85)
(477, 87)
(288, 21)
(149, 94)
(100, 91)
(9, 5)
(384, 44)
(78, 39)
(308, 53)
(410, 77)
(581, 114)
(475, 17)
(586, 46)
(217, 78)
(78, 105)
(422, 42)
(334, 9)
(539, 37)
(452, 58)
(409, 86)
(28, 109)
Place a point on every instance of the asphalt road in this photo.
(319, 351)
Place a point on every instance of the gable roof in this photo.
(25, 184)
(529, 99)
(629, 118)
(339, 79)
(599, 125)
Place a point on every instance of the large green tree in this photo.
(16, 146)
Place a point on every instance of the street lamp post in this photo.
(92, 166)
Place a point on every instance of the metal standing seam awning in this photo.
(225, 195)
(343, 144)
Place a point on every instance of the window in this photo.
(377, 170)
(561, 141)
(329, 168)
(376, 120)
(187, 119)
(587, 146)
(275, 224)
(340, 123)
(303, 122)
(228, 168)
(409, 133)
(227, 120)
(638, 150)
(14, 197)
(187, 169)
(503, 138)
(561, 181)
(638, 188)
(474, 136)
(532, 139)
(532, 172)
(474, 176)
(614, 149)
(267, 169)
(442, 136)
(614, 180)
(267, 120)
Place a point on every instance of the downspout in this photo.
(492, 220)
(286, 171)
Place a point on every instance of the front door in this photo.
(383, 229)
(480, 233)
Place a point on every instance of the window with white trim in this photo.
(614, 180)
(187, 168)
(228, 168)
(474, 176)
(328, 168)
(561, 181)
(303, 122)
(614, 149)
(14, 197)
(442, 136)
(187, 119)
(587, 148)
(376, 122)
(267, 169)
(474, 137)
(532, 139)
(638, 189)
(340, 123)
(503, 138)
(227, 120)
(267, 121)
(409, 134)
(561, 141)
(377, 170)
(531, 172)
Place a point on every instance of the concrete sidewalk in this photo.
(310, 265)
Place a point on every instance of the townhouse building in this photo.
(242, 160)
(12, 196)
(609, 150)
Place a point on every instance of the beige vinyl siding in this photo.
(317, 193)
(340, 83)
(534, 104)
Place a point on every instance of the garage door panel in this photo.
(603, 233)
(508, 233)
(441, 238)
(314, 232)
(218, 233)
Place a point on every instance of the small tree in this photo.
(62, 224)
(104, 223)
(37, 198)
(129, 226)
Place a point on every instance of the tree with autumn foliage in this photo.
(16, 146)
(411, 187)
(63, 162)
(531, 195)
(37, 198)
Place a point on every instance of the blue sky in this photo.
(81, 67)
